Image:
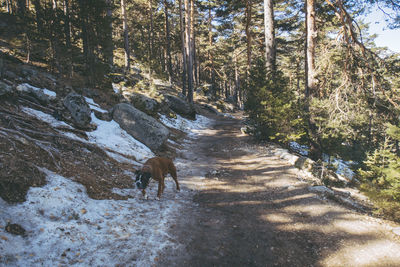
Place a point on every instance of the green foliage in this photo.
(272, 107)
(381, 174)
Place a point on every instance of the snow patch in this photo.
(116, 88)
(27, 88)
(110, 136)
(94, 105)
(45, 117)
(65, 227)
(188, 126)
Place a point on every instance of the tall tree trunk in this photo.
(21, 7)
(189, 52)
(53, 36)
(109, 49)
(210, 54)
(248, 35)
(168, 41)
(39, 15)
(311, 86)
(126, 36)
(193, 41)
(9, 8)
(182, 32)
(270, 50)
(151, 35)
(237, 80)
(67, 33)
(311, 82)
(67, 26)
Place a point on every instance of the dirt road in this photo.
(251, 208)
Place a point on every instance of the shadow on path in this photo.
(251, 209)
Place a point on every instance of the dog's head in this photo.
(142, 179)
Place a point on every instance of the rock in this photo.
(43, 95)
(105, 116)
(28, 71)
(290, 158)
(5, 89)
(79, 109)
(210, 108)
(10, 75)
(141, 126)
(181, 107)
(304, 163)
(322, 189)
(15, 229)
(144, 103)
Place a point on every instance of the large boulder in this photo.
(79, 109)
(141, 126)
(180, 106)
(143, 103)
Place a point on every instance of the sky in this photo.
(386, 37)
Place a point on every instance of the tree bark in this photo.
(210, 54)
(237, 80)
(311, 86)
(168, 41)
(109, 49)
(189, 52)
(126, 36)
(248, 35)
(151, 35)
(39, 15)
(67, 26)
(184, 65)
(310, 81)
(270, 50)
(193, 41)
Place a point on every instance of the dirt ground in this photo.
(251, 208)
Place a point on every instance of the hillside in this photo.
(67, 190)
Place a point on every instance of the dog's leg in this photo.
(174, 176)
(160, 186)
(145, 196)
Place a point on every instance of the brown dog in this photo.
(157, 168)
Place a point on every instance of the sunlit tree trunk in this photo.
(126, 36)
(168, 41)
(311, 82)
(189, 52)
(182, 32)
(270, 50)
(248, 34)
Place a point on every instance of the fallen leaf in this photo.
(4, 238)
(83, 211)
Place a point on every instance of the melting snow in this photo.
(188, 126)
(65, 227)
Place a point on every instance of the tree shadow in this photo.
(255, 212)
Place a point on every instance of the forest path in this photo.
(251, 208)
